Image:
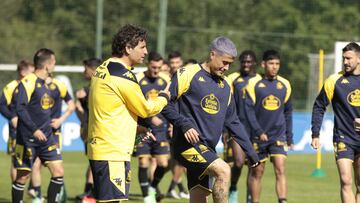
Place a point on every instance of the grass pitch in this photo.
(302, 187)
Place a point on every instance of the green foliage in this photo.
(293, 27)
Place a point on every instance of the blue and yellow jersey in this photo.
(59, 92)
(7, 107)
(269, 109)
(343, 92)
(33, 107)
(115, 102)
(150, 88)
(239, 84)
(204, 102)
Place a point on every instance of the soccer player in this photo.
(234, 154)
(34, 133)
(151, 82)
(115, 102)
(175, 61)
(269, 112)
(82, 111)
(342, 90)
(205, 105)
(7, 108)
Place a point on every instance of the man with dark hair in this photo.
(269, 112)
(205, 105)
(34, 133)
(115, 102)
(82, 111)
(175, 61)
(7, 108)
(234, 155)
(342, 90)
(151, 82)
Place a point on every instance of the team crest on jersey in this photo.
(160, 82)
(344, 81)
(279, 86)
(46, 102)
(38, 85)
(271, 103)
(144, 82)
(261, 85)
(152, 94)
(354, 98)
(210, 104)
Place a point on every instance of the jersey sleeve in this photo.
(179, 85)
(21, 103)
(237, 129)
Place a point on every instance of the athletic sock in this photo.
(17, 192)
(235, 174)
(282, 200)
(54, 189)
(37, 191)
(181, 187)
(158, 175)
(172, 185)
(88, 187)
(143, 181)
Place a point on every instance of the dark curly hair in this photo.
(128, 35)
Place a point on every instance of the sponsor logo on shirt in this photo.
(46, 101)
(271, 103)
(210, 104)
(152, 94)
(354, 98)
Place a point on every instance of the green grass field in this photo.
(302, 187)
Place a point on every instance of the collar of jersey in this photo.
(117, 60)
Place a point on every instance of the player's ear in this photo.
(128, 49)
(263, 64)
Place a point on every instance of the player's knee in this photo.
(58, 171)
(346, 181)
(22, 176)
(163, 163)
(239, 162)
(280, 171)
(257, 172)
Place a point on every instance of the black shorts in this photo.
(197, 160)
(345, 151)
(272, 149)
(111, 180)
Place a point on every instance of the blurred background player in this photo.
(342, 90)
(269, 113)
(115, 102)
(233, 152)
(34, 136)
(7, 108)
(151, 82)
(201, 104)
(82, 111)
(190, 62)
(175, 62)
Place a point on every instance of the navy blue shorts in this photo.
(111, 180)
(196, 160)
(58, 137)
(345, 151)
(272, 149)
(25, 154)
(154, 148)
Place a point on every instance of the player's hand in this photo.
(192, 136)
(39, 135)
(14, 121)
(156, 121)
(80, 93)
(170, 130)
(357, 124)
(149, 135)
(55, 123)
(263, 137)
(315, 143)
